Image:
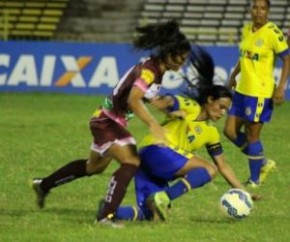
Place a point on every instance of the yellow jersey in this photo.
(186, 135)
(257, 59)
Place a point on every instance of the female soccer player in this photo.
(111, 139)
(288, 38)
(256, 91)
(188, 131)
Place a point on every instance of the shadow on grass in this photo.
(68, 211)
(212, 220)
(16, 212)
(65, 212)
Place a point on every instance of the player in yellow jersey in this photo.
(187, 131)
(255, 90)
(288, 38)
(112, 140)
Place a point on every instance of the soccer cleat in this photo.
(159, 203)
(266, 169)
(110, 221)
(40, 194)
(252, 184)
(100, 209)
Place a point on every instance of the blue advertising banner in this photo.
(87, 68)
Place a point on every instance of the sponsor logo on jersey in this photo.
(248, 54)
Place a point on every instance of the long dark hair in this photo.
(201, 86)
(214, 91)
(202, 61)
(166, 38)
(200, 72)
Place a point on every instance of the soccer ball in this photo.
(236, 203)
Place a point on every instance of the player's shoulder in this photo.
(210, 124)
(186, 100)
(212, 130)
(272, 25)
(247, 27)
(149, 70)
(272, 28)
(149, 64)
(188, 104)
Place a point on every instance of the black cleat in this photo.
(40, 194)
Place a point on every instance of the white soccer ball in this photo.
(236, 203)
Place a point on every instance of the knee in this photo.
(212, 170)
(252, 138)
(95, 167)
(133, 160)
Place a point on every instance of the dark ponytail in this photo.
(200, 72)
(214, 91)
(164, 37)
(201, 86)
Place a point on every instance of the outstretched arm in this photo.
(227, 172)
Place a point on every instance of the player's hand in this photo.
(255, 197)
(159, 133)
(232, 83)
(162, 102)
(177, 114)
(278, 96)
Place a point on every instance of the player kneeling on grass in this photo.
(188, 130)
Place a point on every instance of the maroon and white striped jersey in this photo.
(146, 76)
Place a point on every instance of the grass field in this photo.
(41, 132)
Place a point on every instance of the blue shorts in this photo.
(161, 161)
(252, 109)
(158, 166)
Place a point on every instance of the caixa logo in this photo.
(59, 71)
(68, 70)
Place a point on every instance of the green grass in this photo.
(41, 132)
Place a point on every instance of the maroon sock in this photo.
(117, 189)
(65, 174)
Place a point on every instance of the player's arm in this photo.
(136, 104)
(279, 94)
(167, 104)
(163, 103)
(216, 153)
(281, 49)
(175, 105)
(232, 80)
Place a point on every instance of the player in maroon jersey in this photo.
(111, 139)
